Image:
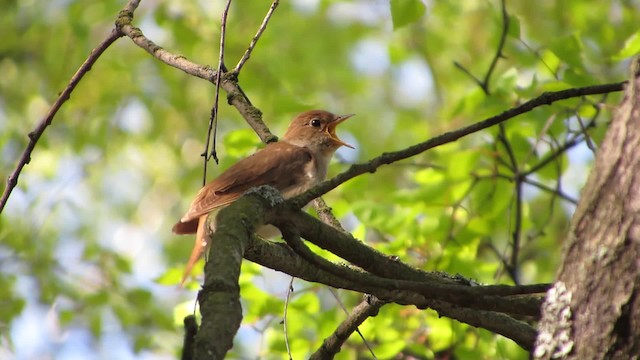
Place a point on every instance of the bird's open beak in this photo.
(331, 128)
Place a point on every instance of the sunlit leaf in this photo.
(631, 47)
(404, 12)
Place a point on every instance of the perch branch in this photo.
(280, 257)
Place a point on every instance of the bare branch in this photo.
(369, 298)
(331, 345)
(553, 156)
(517, 226)
(284, 320)
(469, 74)
(36, 133)
(498, 55)
(213, 118)
(235, 95)
(587, 138)
(255, 39)
(372, 165)
(558, 192)
(484, 83)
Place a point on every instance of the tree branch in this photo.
(36, 133)
(213, 117)
(372, 165)
(484, 84)
(229, 83)
(331, 345)
(219, 298)
(516, 234)
(463, 293)
(255, 39)
(280, 257)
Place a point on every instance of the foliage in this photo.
(85, 239)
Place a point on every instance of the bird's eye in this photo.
(315, 123)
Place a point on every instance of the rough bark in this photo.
(593, 311)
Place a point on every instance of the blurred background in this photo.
(88, 264)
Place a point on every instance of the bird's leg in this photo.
(198, 248)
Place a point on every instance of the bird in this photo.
(292, 165)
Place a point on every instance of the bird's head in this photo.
(316, 130)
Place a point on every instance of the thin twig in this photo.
(372, 165)
(213, 118)
(458, 204)
(503, 38)
(503, 260)
(331, 345)
(537, 184)
(560, 151)
(36, 133)
(587, 138)
(516, 234)
(539, 138)
(484, 84)
(498, 158)
(502, 138)
(553, 191)
(235, 95)
(255, 39)
(334, 293)
(284, 319)
(517, 226)
(469, 74)
(554, 73)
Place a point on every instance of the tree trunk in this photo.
(593, 310)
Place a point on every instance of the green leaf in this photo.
(569, 49)
(631, 47)
(514, 27)
(404, 12)
(172, 276)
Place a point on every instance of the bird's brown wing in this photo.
(265, 167)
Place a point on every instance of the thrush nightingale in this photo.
(292, 165)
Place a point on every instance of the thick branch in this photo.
(280, 257)
(220, 296)
(427, 284)
(375, 262)
(449, 300)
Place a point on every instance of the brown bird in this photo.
(292, 166)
